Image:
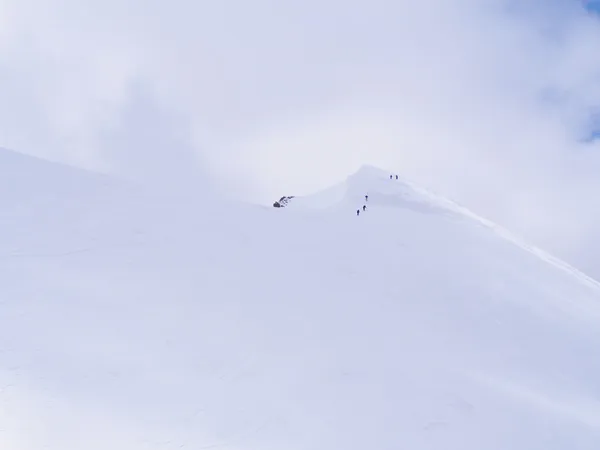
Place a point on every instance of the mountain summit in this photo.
(130, 321)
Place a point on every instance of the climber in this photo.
(390, 177)
(396, 177)
(366, 198)
(364, 207)
(358, 212)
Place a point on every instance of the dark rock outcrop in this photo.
(283, 201)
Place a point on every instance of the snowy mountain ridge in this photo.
(392, 192)
(131, 320)
(403, 193)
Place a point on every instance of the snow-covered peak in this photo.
(132, 321)
(385, 193)
(368, 184)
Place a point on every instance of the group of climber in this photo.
(364, 208)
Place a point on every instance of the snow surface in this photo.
(135, 320)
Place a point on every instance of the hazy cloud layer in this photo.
(491, 102)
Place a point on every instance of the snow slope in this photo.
(131, 320)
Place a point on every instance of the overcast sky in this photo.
(491, 102)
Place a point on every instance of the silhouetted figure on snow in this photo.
(390, 177)
(358, 212)
(396, 177)
(366, 198)
(364, 207)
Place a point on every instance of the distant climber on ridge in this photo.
(364, 207)
(366, 198)
(358, 212)
(396, 177)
